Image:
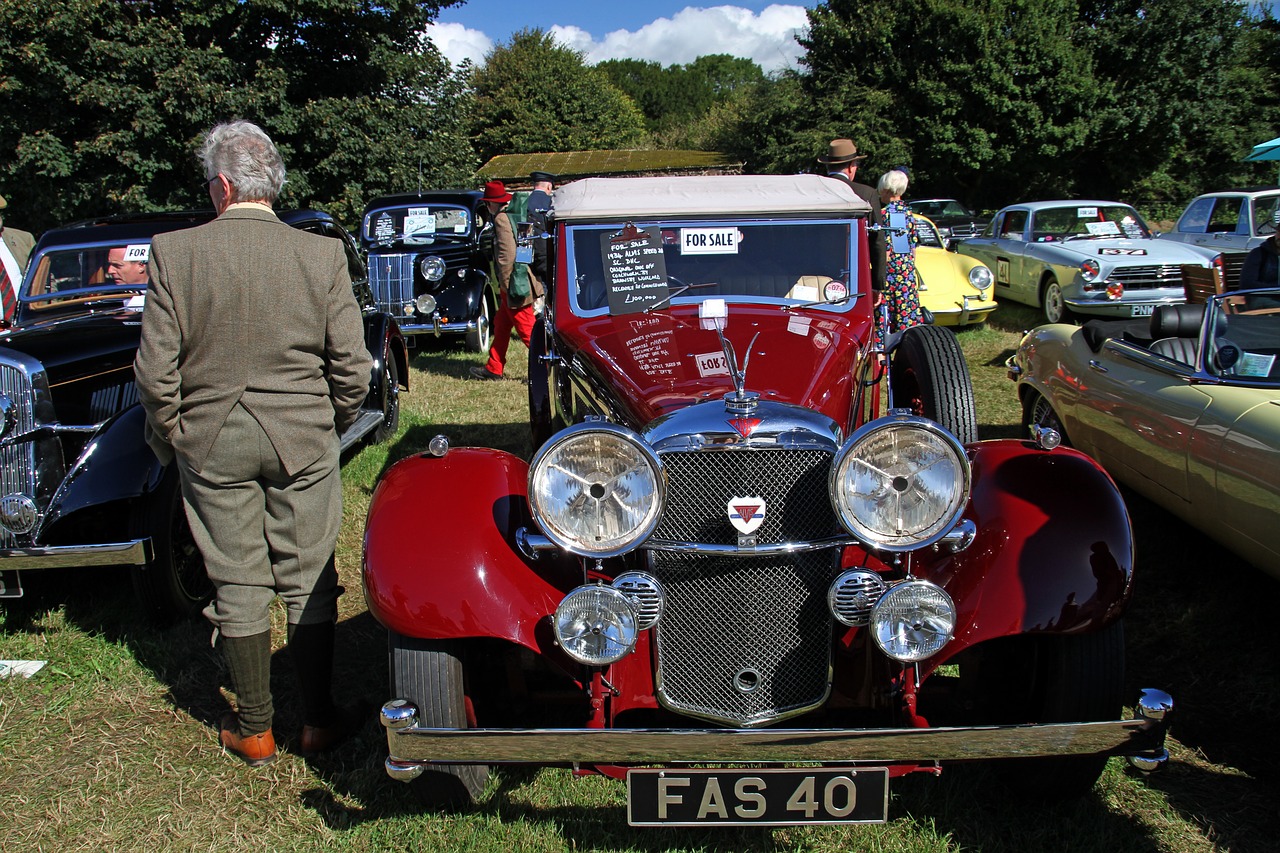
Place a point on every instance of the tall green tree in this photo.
(536, 94)
(104, 100)
(678, 95)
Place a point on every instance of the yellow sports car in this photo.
(955, 288)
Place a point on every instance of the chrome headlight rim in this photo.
(878, 619)
(981, 278)
(432, 267)
(909, 541)
(621, 615)
(552, 531)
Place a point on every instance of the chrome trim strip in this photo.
(417, 745)
(132, 553)
(435, 328)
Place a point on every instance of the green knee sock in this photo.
(249, 663)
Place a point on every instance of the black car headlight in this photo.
(900, 483)
(596, 490)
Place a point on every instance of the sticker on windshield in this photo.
(1086, 213)
(709, 241)
(419, 220)
(139, 252)
(1103, 229)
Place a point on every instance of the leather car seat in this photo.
(1176, 330)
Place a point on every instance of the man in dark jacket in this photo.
(842, 159)
(1261, 266)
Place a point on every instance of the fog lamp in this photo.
(913, 620)
(596, 625)
(426, 303)
(18, 513)
(1115, 290)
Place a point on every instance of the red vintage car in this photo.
(727, 553)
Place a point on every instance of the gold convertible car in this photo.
(1183, 408)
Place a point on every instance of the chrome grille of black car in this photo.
(391, 278)
(964, 230)
(743, 641)
(17, 461)
(1148, 277)
(793, 484)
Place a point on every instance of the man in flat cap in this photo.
(15, 251)
(842, 159)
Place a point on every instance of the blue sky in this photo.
(664, 31)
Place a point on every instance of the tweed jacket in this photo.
(247, 309)
(878, 245)
(20, 244)
(504, 262)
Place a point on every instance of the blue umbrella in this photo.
(1266, 150)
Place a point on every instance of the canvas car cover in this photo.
(705, 195)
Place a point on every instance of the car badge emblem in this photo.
(744, 426)
(746, 514)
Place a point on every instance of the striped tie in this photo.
(7, 296)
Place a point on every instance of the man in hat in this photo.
(538, 210)
(15, 251)
(842, 159)
(515, 310)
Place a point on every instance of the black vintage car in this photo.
(78, 485)
(955, 221)
(427, 267)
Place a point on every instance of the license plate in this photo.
(1142, 310)
(782, 797)
(10, 584)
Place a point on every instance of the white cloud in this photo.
(457, 42)
(768, 38)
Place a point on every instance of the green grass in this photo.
(113, 745)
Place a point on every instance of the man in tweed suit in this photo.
(252, 361)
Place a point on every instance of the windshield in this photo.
(61, 275)
(629, 267)
(415, 224)
(1245, 336)
(939, 207)
(1085, 221)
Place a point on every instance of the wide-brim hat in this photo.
(841, 151)
(496, 192)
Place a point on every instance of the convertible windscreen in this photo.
(1082, 222)
(802, 260)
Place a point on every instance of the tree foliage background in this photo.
(992, 101)
(104, 101)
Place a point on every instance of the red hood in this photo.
(664, 361)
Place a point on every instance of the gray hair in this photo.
(895, 182)
(242, 153)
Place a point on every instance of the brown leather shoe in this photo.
(254, 750)
(347, 721)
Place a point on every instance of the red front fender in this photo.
(440, 559)
(1053, 552)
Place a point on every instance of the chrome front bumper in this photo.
(135, 552)
(412, 747)
(436, 328)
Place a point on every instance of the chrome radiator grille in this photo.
(743, 641)
(1145, 278)
(391, 278)
(793, 484)
(17, 461)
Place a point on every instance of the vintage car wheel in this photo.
(481, 337)
(1039, 412)
(1053, 303)
(429, 673)
(174, 585)
(390, 398)
(929, 375)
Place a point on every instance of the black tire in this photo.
(480, 338)
(929, 375)
(1052, 302)
(390, 398)
(174, 585)
(430, 674)
(1039, 412)
(1079, 678)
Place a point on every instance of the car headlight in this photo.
(596, 490)
(596, 625)
(900, 483)
(1089, 269)
(981, 277)
(913, 620)
(432, 268)
(426, 303)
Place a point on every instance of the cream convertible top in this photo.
(711, 195)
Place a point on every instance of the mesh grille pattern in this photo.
(17, 461)
(792, 482)
(727, 615)
(1143, 278)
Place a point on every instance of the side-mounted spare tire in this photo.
(929, 376)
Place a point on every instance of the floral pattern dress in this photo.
(900, 296)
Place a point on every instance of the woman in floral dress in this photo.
(899, 296)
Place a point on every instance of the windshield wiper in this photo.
(665, 302)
